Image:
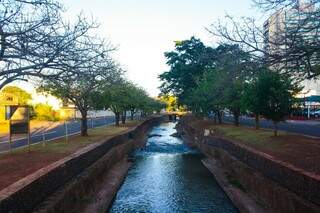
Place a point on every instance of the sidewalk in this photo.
(305, 122)
(302, 122)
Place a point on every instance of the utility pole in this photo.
(29, 133)
(44, 138)
(66, 130)
(10, 136)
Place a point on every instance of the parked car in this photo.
(312, 111)
(296, 112)
(316, 113)
(305, 112)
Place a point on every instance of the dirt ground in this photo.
(16, 166)
(21, 163)
(300, 151)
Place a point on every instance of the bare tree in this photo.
(289, 41)
(89, 70)
(34, 39)
(270, 5)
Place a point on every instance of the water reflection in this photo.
(167, 176)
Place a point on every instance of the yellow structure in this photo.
(6, 99)
(67, 112)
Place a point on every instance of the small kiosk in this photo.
(19, 122)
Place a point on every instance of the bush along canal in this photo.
(168, 176)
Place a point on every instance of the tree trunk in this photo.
(84, 123)
(275, 128)
(219, 117)
(132, 115)
(117, 115)
(124, 117)
(257, 120)
(236, 116)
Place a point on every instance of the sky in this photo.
(142, 30)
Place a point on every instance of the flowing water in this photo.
(167, 176)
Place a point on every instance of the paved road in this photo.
(311, 128)
(57, 132)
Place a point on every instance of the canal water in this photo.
(167, 176)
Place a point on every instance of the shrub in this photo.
(45, 112)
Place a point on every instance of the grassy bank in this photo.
(249, 136)
(298, 150)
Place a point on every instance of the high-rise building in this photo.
(292, 28)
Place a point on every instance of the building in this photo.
(279, 29)
(6, 99)
(69, 111)
(281, 23)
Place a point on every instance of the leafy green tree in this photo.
(276, 93)
(136, 96)
(117, 98)
(188, 63)
(156, 105)
(238, 67)
(208, 96)
(251, 101)
(78, 89)
(151, 105)
(125, 96)
(132, 100)
(188, 77)
(200, 100)
(232, 99)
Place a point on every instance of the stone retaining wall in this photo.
(77, 193)
(277, 184)
(26, 194)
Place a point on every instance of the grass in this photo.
(75, 142)
(298, 150)
(247, 135)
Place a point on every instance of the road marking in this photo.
(12, 141)
(32, 136)
(35, 143)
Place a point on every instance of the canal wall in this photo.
(68, 184)
(275, 185)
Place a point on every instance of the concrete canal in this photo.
(167, 176)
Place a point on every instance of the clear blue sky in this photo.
(144, 29)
